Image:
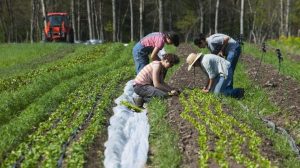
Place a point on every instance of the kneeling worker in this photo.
(150, 80)
(216, 70)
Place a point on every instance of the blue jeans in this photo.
(220, 87)
(140, 56)
(233, 57)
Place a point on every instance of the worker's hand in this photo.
(205, 90)
(221, 54)
(174, 92)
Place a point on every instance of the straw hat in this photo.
(191, 59)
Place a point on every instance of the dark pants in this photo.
(149, 91)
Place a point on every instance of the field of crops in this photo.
(51, 112)
(56, 101)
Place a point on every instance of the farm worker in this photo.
(152, 43)
(224, 46)
(150, 80)
(216, 70)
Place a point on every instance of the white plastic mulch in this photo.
(127, 144)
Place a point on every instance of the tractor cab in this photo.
(58, 28)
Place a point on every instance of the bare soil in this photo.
(281, 90)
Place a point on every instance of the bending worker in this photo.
(216, 70)
(150, 80)
(224, 46)
(151, 43)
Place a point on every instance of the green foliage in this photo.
(288, 67)
(294, 15)
(163, 140)
(131, 106)
(108, 26)
(42, 129)
(230, 137)
(288, 45)
(252, 108)
(187, 21)
(12, 54)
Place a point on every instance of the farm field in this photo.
(56, 101)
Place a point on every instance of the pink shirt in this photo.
(145, 75)
(155, 39)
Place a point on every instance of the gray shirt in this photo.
(215, 43)
(214, 65)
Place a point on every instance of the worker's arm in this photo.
(156, 80)
(154, 55)
(208, 86)
(225, 42)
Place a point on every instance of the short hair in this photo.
(173, 37)
(199, 38)
(172, 58)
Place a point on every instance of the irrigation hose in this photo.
(273, 126)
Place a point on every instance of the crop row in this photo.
(233, 141)
(44, 147)
(84, 107)
(13, 102)
(79, 58)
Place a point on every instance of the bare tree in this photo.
(44, 12)
(96, 22)
(11, 21)
(101, 20)
(89, 19)
(131, 21)
(170, 19)
(33, 8)
(92, 10)
(114, 19)
(73, 19)
(210, 17)
(78, 20)
(141, 18)
(201, 15)
(242, 18)
(161, 16)
(287, 33)
(216, 16)
(281, 18)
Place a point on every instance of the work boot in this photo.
(138, 101)
(241, 93)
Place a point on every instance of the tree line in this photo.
(130, 20)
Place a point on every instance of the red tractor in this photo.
(58, 28)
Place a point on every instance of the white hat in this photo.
(191, 59)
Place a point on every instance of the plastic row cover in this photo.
(127, 144)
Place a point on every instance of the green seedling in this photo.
(132, 106)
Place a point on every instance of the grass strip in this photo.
(288, 67)
(163, 139)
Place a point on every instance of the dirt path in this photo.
(188, 135)
(283, 91)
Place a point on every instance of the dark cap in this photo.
(173, 37)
